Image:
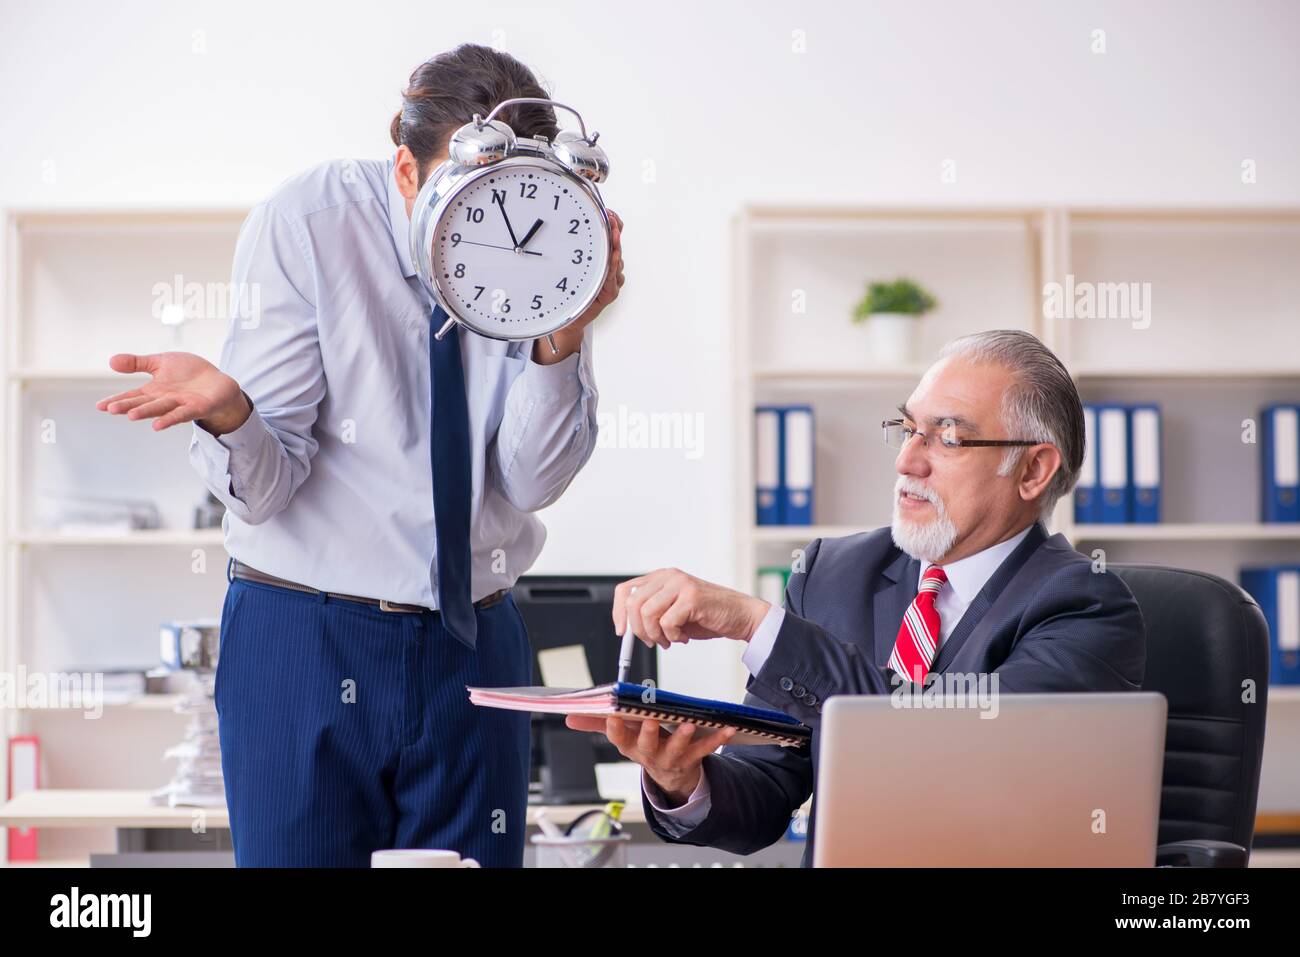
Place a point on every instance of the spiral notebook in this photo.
(754, 725)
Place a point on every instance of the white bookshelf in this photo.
(80, 285)
(1224, 340)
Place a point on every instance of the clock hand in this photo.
(529, 252)
(529, 235)
(502, 203)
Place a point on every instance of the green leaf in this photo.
(902, 296)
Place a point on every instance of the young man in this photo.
(373, 542)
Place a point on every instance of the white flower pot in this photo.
(891, 339)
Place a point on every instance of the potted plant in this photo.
(890, 311)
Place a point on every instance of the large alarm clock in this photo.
(510, 235)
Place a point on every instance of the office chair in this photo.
(1205, 638)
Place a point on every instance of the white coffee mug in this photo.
(419, 857)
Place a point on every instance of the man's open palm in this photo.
(184, 388)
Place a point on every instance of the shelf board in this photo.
(854, 376)
(825, 226)
(802, 534)
(140, 702)
(38, 219)
(148, 702)
(765, 216)
(1166, 532)
(1216, 373)
(860, 375)
(57, 862)
(1187, 532)
(105, 375)
(202, 537)
(76, 807)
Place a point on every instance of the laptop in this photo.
(1029, 780)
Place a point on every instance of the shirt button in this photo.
(786, 684)
(810, 700)
(799, 691)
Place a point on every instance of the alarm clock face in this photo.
(519, 250)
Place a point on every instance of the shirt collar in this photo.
(400, 223)
(967, 576)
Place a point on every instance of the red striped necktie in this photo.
(918, 636)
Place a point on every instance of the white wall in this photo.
(114, 105)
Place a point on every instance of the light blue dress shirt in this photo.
(328, 483)
(966, 579)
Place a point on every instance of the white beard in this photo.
(924, 541)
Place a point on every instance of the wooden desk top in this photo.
(52, 807)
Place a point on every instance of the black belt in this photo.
(239, 570)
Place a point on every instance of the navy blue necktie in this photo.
(449, 453)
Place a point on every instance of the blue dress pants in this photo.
(346, 729)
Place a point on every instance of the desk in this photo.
(132, 810)
(194, 836)
(142, 829)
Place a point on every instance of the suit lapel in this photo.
(977, 621)
(898, 587)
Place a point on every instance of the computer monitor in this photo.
(559, 611)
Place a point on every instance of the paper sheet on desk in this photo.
(564, 667)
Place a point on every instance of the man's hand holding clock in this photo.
(568, 339)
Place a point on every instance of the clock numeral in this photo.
(474, 214)
(557, 201)
(455, 240)
(479, 293)
(528, 190)
(577, 256)
(573, 227)
(459, 271)
(498, 195)
(563, 284)
(537, 302)
(499, 301)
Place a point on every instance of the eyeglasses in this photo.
(898, 433)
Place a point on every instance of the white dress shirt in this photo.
(329, 482)
(966, 579)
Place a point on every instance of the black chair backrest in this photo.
(1206, 640)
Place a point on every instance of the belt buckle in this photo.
(386, 605)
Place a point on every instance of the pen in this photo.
(625, 650)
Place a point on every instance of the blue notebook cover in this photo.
(637, 694)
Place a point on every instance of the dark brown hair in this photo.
(446, 92)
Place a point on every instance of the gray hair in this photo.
(1042, 402)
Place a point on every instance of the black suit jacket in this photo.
(1046, 621)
